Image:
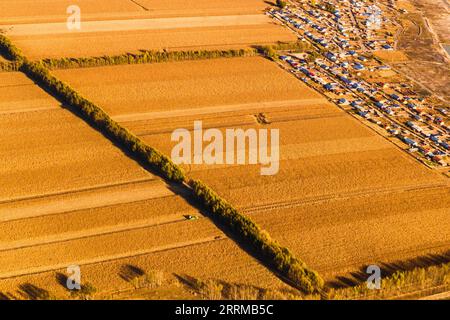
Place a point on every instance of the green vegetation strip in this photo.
(144, 57)
(10, 51)
(9, 66)
(400, 283)
(275, 255)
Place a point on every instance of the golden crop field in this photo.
(69, 196)
(28, 11)
(127, 26)
(336, 174)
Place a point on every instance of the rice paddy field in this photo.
(68, 196)
(110, 28)
(344, 197)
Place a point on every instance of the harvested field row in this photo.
(153, 211)
(41, 155)
(29, 11)
(55, 29)
(99, 196)
(19, 94)
(100, 244)
(114, 43)
(213, 109)
(313, 177)
(124, 90)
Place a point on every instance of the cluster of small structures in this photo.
(341, 65)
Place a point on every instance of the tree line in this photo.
(9, 66)
(144, 57)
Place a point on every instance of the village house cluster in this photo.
(343, 36)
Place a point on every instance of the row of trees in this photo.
(270, 51)
(243, 227)
(145, 57)
(399, 283)
(10, 51)
(281, 4)
(9, 66)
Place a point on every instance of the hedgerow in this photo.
(399, 283)
(145, 57)
(279, 257)
(9, 66)
(9, 50)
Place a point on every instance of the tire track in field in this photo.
(108, 258)
(140, 5)
(14, 111)
(215, 109)
(229, 124)
(323, 198)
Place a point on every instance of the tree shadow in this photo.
(6, 296)
(129, 272)
(187, 281)
(389, 268)
(31, 292)
(62, 280)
